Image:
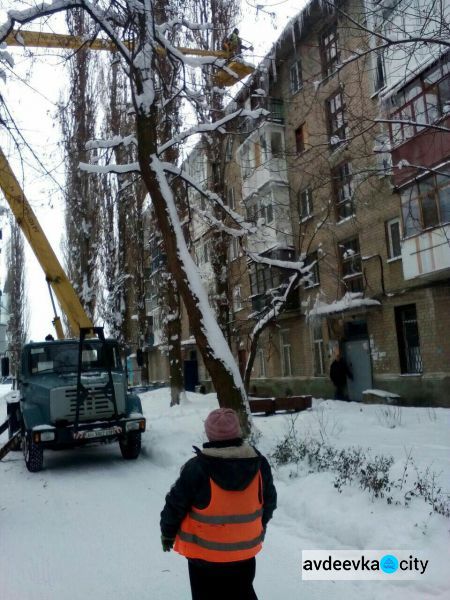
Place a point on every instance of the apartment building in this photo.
(349, 172)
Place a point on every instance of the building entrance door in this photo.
(191, 372)
(357, 357)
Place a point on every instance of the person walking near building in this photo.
(339, 372)
(217, 511)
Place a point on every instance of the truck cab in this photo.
(73, 393)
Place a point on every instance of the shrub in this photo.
(357, 465)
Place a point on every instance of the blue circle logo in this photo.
(389, 563)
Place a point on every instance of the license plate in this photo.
(96, 433)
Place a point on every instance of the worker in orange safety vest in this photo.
(217, 511)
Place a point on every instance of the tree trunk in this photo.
(173, 332)
(228, 384)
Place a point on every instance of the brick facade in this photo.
(340, 201)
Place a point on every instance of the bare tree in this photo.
(82, 192)
(133, 29)
(17, 328)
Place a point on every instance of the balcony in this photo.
(427, 254)
(275, 107)
(262, 159)
(269, 211)
(427, 148)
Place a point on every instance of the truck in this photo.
(71, 391)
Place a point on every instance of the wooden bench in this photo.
(269, 406)
(380, 397)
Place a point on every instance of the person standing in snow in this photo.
(217, 511)
(339, 372)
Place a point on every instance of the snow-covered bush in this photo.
(356, 465)
(390, 416)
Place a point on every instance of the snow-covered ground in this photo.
(88, 525)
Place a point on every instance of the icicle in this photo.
(274, 67)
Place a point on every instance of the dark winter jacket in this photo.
(339, 372)
(232, 465)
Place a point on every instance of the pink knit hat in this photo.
(222, 424)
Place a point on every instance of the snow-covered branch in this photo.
(211, 196)
(102, 169)
(288, 265)
(117, 140)
(219, 225)
(208, 127)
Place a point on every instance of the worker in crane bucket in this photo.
(233, 44)
(217, 511)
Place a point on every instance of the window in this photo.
(262, 208)
(229, 149)
(319, 362)
(285, 346)
(422, 102)
(351, 265)
(408, 339)
(393, 238)
(261, 363)
(266, 210)
(301, 138)
(261, 278)
(263, 148)
(234, 248)
(267, 282)
(230, 198)
(337, 126)
(343, 192)
(313, 276)
(251, 213)
(380, 80)
(329, 49)
(426, 203)
(237, 299)
(276, 144)
(382, 150)
(246, 161)
(305, 203)
(296, 76)
(199, 169)
(64, 357)
(202, 253)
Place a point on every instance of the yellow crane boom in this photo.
(39, 39)
(39, 243)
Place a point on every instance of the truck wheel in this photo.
(130, 445)
(34, 455)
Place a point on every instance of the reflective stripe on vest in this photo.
(193, 539)
(223, 520)
(228, 529)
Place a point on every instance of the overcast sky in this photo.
(32, 100)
